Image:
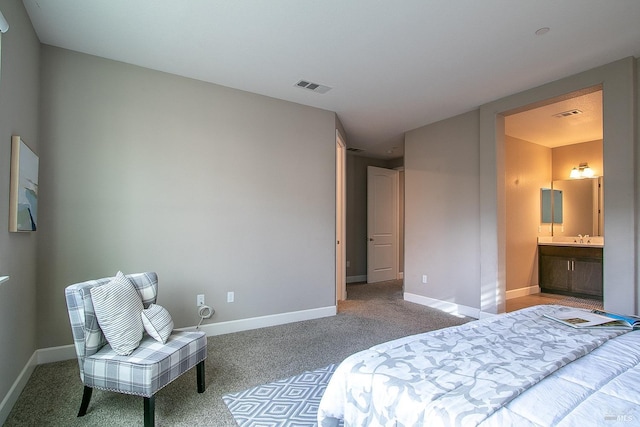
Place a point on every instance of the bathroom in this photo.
(554, 153)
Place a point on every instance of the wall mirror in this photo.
(551, 206)
(581, 207)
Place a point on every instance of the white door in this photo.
(341, 273)
(382, 223)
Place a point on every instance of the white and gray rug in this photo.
(292, 402)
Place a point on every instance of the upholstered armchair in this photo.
(151, 364)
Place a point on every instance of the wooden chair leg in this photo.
(86, 397)
(200, 373)
(149, 411)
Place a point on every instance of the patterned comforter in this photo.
(483, 373)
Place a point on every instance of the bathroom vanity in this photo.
(571, 267)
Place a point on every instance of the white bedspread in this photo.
(485, 373)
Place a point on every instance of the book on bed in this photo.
(580, 318)
(633, 321)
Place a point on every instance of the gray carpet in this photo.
(371, 315)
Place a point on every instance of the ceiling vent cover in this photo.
(314, 87)
(568, 113)
(355, 150)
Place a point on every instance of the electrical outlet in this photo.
(230, 297)
(424, 278)
(200, 300)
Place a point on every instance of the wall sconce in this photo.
(4, 25)
(582, 171)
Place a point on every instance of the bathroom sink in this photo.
(595, 242)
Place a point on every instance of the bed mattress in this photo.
(519, 368)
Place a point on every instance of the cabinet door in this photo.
(554, 273)
(587, 277)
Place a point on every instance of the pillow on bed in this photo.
(118, 306)
(157, 322)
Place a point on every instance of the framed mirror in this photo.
(581, 207)
(551, 206)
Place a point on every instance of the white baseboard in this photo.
(448, 307)
(357, 279)
(220, 328)
(363, 278)
(67, 352)
(522, 292)
(18, 385)
(56, 354)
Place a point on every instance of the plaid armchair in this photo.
(150, 367)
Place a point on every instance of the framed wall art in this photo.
(23, 196)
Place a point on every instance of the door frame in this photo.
(341, 217)
(620, 274)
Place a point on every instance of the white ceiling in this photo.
(392, 65)
(542, 126)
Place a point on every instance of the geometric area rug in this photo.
(292, 402)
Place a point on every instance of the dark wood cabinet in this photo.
(570, 270)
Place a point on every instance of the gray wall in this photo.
(215, 189)
(441, 211)
(18, 116)
(637, 177)
(455, 196)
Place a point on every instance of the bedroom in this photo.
(34, 105)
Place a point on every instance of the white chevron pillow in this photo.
(157, 322)
(118, 306)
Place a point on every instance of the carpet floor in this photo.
(372, 314)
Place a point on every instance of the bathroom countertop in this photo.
(587, 242)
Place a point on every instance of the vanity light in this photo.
(582, 171)
(575, 173)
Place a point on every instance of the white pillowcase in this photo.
(118, 306)
(157, 322)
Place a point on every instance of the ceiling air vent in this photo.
(355, 150)
(314, 87)
(568, 113)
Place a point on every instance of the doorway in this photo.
(382, 224)
(618, 85)
(542, 146)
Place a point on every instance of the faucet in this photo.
(581, 238)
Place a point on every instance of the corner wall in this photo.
(442, 230)
(18, 116)
(215, 189)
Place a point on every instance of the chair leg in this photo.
(149, 411)
(86, 397)
(200, 373)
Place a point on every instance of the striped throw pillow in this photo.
(118, 306)
(157, 322)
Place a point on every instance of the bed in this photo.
(518, 368)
